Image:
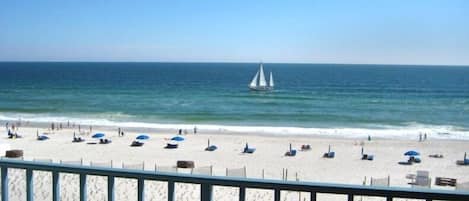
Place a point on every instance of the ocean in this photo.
(325, 99)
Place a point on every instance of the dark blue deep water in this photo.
(306, 95)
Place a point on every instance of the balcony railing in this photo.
(207, 183)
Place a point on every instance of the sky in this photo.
(432, 32)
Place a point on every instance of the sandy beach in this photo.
(347, 166)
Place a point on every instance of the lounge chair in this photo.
(291, 152)
(78, 139)
(104, 141)
(329, 153)
(305, 147)
(42, 137)
(367, 156)
(210, 147)
(12, 135)
(435, 155)
(463, 162)
(171, 146)
(414, 159)
(248, 150)
(137, 143)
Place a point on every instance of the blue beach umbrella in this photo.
(142, 137)
(178, 138)
(98, 135)
(411, 153)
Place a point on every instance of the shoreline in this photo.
(268, 159)
(410, 132)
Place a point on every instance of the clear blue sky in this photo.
(327, 31)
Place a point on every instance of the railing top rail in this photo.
(242, 182)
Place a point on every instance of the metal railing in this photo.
(207, 183)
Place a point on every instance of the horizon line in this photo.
(231, 62)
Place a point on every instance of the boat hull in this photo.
(261, 88)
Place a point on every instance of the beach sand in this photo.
(347, 166)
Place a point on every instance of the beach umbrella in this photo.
(142, 137)
(98, 135)
(411, 153)
(178, 138)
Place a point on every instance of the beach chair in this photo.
(77, 138)
(42, 137)
(171, 146)
(291, 152)
(105, 141)
(210, 147)
(248, 150)
(414, 159)
(136, 143)
(465, 161)
(305, 147)
(435, 155)
(329, 153)
(367, 156)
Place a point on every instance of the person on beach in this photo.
(420, 137)
(180, 131)
(52, 126)
(119, 131)
(195, 129)
(425, 136)
(185, 131)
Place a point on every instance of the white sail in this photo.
(262, 82)
(271, 80)
(254, 80)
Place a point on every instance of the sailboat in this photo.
(259, 82)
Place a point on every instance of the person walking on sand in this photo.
(180, 131)
(425, 136)
(420, 137)
(195, 129)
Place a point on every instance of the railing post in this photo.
(4, 183)
(83, 187)
(55, 186)
(242, 193)
(350, 197)
(277, 194)
(29, 185)
(141, 187)
(171, 191)
(312, 196)
(110, 188)
(206, 192)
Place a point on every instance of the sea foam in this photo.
(410, 131)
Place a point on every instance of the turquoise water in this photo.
(325, 97)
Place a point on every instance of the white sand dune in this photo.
(346, 167)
